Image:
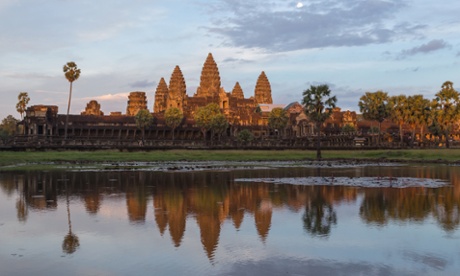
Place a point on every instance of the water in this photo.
(211, 222)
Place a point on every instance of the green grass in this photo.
(41, 159)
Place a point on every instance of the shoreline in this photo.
(47, 159)
(172, 161)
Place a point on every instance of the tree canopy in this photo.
(143, 119)
(173, 118)
(204, 117)
(71, 71)
(375, 106)
(8, 127)
(399, 112)
(446, 109)
(278, 119)
(418, 113)
(219, 124)
(23, 100)
(318, 105)
(245, 136)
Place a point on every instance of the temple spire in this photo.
(161, 96)
(263, 91)
(177, 90)
(210, 79)
(237, 92)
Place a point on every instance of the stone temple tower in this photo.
(93, 108)
(237, 92)
(177, 90)
(161, 96)
(209, 80)
(263, 91)
(136, 101)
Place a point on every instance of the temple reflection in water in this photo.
(211, 198)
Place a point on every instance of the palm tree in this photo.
(278, 119)
(399, 113)
(72, 73)
(71, 241)
(23, 100)
(418, 108)
(446, 109)
(318, 107)
(319, 216)
(374, 106)
(173, 118)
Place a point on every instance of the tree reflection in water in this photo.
(411, 204)
(210, 198)
(71, 241)
(319, 214)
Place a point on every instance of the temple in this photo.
(237, 109)
(43, 123)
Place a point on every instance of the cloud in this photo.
(25, 76)
(143, 84)
(109, 102)
(347, 97)
(318, 24)
(109, 97)
(431, 46)
(236, 60)
(46, 25)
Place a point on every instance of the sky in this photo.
(354, 46)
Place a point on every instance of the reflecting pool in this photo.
(289, 219)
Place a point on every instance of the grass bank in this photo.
(33, 159)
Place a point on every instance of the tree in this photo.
(348, 129)
(319, 216)
(419, 110)
(278, 119)
(203, 117)
(143, 119)
(318, 105)
(9, 124)
(8, 128)
(71, 241)
(173, 118)
(245, 136)
(446, 109)
(23, 100)
(399, 112)
(219, 124)
(71, 73)
(374, 106)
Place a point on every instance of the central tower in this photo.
(209, 80)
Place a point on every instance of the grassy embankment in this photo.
(48, 159)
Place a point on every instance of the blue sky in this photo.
(354, 46)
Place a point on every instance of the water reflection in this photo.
(71, 241)
(211, 198)
(319, 213)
